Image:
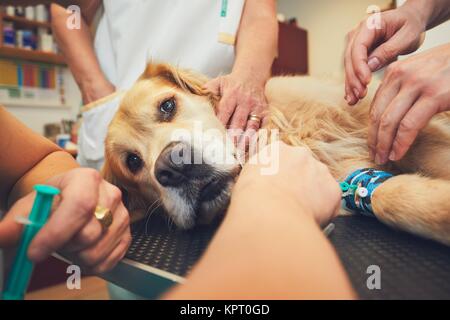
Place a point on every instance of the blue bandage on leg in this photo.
(358, 189)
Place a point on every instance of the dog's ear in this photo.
(107, 173)
(132, 201)
(182, 78)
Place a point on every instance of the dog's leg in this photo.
(415, 204)
(430, 153)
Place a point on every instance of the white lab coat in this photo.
(131, 33)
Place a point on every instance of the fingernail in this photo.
(392, 156)
(374, 64)
(356, 92)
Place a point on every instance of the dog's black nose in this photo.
(172, 168)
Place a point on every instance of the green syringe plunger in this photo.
(19, 277)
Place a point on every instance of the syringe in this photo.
(22, 267)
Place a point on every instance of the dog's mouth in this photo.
(213, 189)
(214, 197)
(199, 202)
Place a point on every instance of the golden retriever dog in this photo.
(166, 104)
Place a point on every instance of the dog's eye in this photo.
(167, 108)
(134, 162)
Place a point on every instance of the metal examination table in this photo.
(411, 268)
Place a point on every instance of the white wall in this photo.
(327, 23)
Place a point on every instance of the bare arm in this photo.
(435, 12)
(270, 245)
(18, 173)
(27, 159)
(259, 256)
(242, 91)
(77, 46)
(257, 39)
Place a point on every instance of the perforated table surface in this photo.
(410, 267)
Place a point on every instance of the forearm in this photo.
(53, 164)
(256, 45)
(256, 255)
(17, 140)
(77, 46)
(433, 12)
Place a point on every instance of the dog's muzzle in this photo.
(178, 166)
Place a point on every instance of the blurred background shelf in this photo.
(20, 103)
(24, 22)
(31, 55)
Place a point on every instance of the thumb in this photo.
(388, 52)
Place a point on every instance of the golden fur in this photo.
(308, 112)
